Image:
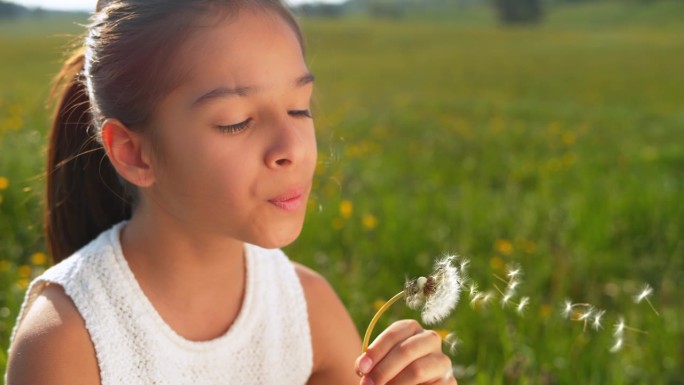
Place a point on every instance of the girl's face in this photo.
(235, 147)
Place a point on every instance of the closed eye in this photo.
(234, 128)
(300, 113)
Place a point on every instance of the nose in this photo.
(287, 145)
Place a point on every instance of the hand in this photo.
(405, 354)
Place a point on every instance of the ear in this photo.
(128, 152)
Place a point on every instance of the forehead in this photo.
(253, 47)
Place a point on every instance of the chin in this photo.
(278, 240)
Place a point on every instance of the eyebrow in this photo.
(228, 92)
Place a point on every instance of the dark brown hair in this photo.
(122, 72)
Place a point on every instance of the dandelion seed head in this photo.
(646, 292)
(524, 301)
(463, 266)
(414, 297)
(442, 291)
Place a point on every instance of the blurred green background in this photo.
(554, 141)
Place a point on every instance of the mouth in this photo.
(289, 201)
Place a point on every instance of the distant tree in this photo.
(11, 10)
(321, 10)
(386, 9)
(518, 11)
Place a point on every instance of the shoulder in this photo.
(52, 336)
(336, 343)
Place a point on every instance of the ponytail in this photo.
(84, 195)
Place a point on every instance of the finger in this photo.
(433, 369)
(403, 354)
(391, 336)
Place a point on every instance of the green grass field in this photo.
(558, 147)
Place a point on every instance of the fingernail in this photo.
(365, 365)
(367, 381)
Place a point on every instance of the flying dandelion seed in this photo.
(644, 295)
(437, 294)
(506, 299)
(452, 343)
(617, 346)
(512, 285)
(472, 290)
(619, 328)
(524, 301)
(567, 308)
(596, 323)
(513, 271)
(487, 297)
(477, 297)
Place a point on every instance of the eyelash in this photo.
(235, 128)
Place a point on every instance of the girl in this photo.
(183, 137)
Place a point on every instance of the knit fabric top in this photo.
(268, 343)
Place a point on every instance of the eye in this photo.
(300, 113)
(234, 128)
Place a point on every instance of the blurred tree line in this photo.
(508, 11)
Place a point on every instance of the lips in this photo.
(289, 201)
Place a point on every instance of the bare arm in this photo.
(52, 345)
(336, 343)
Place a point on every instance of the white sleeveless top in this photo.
(269, 342)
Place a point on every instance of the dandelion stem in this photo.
(499, 290)
(635, 330)
(652, 308)
(376, 317)
(500, 279)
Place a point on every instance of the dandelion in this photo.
(643, 295)
(346, 208)
(503, 246)
(4, 183)
(437, 294)
(369, 221)
(38, 259)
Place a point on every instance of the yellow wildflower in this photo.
(503, 246)
(5, 265)
(369, 221)
(337, 224)
(23, 283)
(346, 208)
(496, 263)
(442, 333)
(569, 138)
(38, 259)
(4, 183)
(24, 271)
